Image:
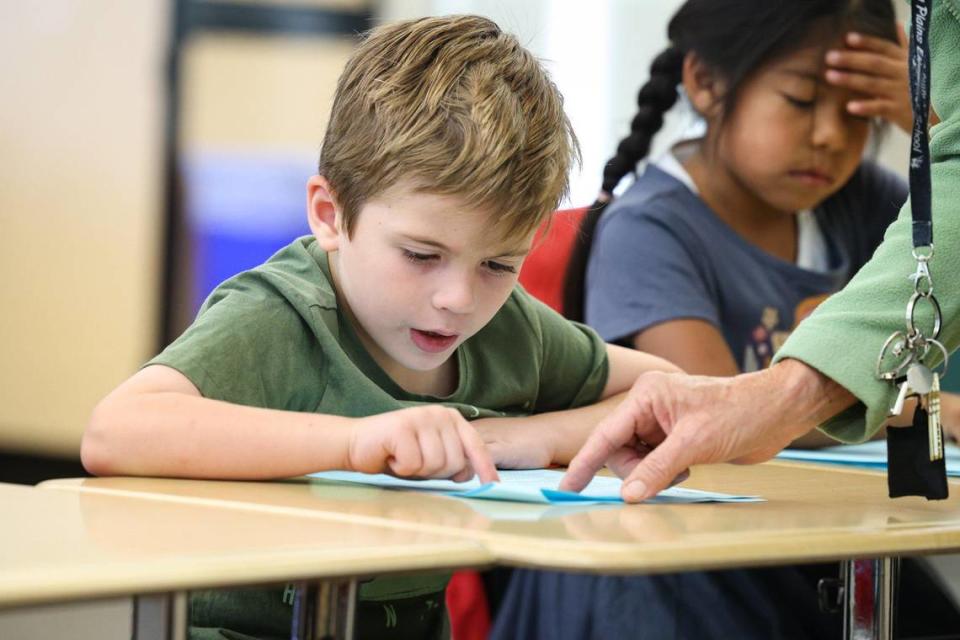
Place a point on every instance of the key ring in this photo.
(943, 352)
(896, 349)
(912, 308)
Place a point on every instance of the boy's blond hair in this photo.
(458, 107)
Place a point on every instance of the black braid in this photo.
(655, 98)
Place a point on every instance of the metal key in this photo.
(934, 428)
(919, 382)
(920, 378)
(897, 407)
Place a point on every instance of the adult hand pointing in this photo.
(669, 422)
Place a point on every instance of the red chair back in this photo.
(544, 269)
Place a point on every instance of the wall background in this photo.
(81, 134)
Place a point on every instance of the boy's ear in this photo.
(323, 213)
(704, 89)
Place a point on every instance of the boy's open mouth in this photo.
(431, 341)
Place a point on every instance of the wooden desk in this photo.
(812, 513)
(58, 546)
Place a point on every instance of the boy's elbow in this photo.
(95, 450)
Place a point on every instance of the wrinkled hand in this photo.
(425, 442)
(669, 422)
(878, 70)
(950, 415)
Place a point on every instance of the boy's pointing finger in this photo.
(477, 453)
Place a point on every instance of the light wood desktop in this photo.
(58, 546)
(811, 513)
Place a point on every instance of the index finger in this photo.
(477, 453)
(612, 433)
(876, 44)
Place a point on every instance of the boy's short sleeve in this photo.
(248, 349)
(573, 365)
(641, 272)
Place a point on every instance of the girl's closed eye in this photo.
(799, 103)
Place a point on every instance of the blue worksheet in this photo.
(531, 485)
(871, 455)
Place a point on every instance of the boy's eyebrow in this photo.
(426, 241)
(508, 253)
(514, 253)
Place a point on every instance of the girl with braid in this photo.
(712, 256)
(718, 247)
(723, 245)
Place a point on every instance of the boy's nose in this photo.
(455, 294)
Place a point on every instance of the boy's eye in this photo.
(419, 258)
(500, 268)
(799, 103)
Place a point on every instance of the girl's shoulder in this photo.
(657, 195)
(659, 202)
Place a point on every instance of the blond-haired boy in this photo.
(368, 344)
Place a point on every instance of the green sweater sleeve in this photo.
(843, 337)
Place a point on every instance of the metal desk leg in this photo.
(324, 610)
(160, 617)
(868, 598)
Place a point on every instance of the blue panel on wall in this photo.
(240, 209)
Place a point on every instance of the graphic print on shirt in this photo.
(767, 337)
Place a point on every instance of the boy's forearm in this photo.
(176, 435)
(556, 436)
(572, 427)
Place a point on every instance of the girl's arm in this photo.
(696, 346)
(157, 423)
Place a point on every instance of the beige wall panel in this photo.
(260, 93)
(80, 195)
(343, 5)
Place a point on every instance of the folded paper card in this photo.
(871, 455)
(532, 485)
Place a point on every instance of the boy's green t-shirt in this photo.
(273, 337)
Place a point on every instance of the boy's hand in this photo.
(878, 69)
(427, 442)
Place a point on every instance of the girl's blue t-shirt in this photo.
(660, 254)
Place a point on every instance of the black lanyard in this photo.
(915, 460)
(920, 102)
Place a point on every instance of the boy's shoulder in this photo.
(265, 337)
(515, 320)
(525, 324)
(297, 274)
(289, 298)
